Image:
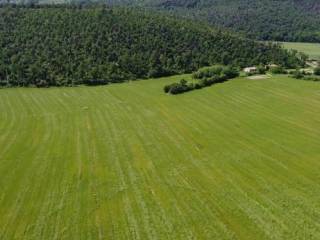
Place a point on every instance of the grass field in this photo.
(239, 160)
(311, 49)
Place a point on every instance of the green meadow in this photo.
(238, 160)
(311, 49)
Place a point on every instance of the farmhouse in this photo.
(250, 70)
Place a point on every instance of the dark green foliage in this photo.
(207, 72)
(216, 71)
(297, 74)
(230, 72)
(317, 71)
(312, 78)
(261, 69)
(69, 45)
(206, 77)
(180, 87)
(285, 20)
(210, 72)
(305, 76)
(277, 70)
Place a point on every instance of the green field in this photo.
(238, 160)
(311, 49)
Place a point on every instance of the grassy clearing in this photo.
(239, 160)
(311, 49)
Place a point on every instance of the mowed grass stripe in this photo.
(234, 161)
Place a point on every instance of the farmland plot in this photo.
(311, 49)
(238, 160)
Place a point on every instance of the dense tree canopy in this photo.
(69, 45)
(285, 20)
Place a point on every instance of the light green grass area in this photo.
(238, 160)
(311, 49)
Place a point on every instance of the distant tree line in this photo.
(204, 77)
(65, 45)
(285, 20)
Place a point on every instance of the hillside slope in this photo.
(287, 20)
(72, 45)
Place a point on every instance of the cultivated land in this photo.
(312, 49)
(238, 160)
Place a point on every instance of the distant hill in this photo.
(67, 45)
(278, 20)
(285, 20)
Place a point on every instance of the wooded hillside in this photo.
(67, 45)
(286, 20)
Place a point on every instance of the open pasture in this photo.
(311, 49)
(238, 160)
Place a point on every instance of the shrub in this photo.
(317, 71)
(312, 78)
(95, 82)
(180, 87)
(166, 88)
(198, 86)
(297, 74)
(42, 84)
(277, 70)
(261, 69)
(230, 72)
(207, 72)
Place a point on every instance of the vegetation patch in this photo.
(205, 77)
(307, 75)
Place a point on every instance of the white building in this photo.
(250, 70)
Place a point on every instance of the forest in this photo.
(70, 45)
(286, 20)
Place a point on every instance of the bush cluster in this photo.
(278, 70)
(317, 71)
(180, 87)
(205, 76)
(297, 74)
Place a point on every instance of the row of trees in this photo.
(205, 77)
(70, 45)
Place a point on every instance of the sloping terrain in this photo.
(287, 20)
(70, 45)
(239, 160)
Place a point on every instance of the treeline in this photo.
(204, 77)
(70, 45)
